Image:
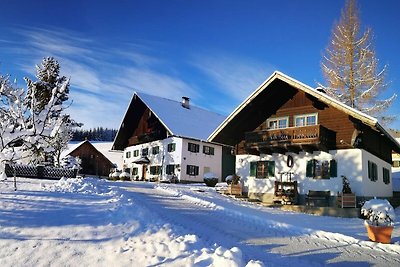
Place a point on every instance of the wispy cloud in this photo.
(102, 79)
(236, 77)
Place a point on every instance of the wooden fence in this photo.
(38, 171)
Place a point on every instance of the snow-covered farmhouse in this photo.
(287, 131)
(163, 138)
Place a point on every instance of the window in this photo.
(155, 170)
(262, 169)
(128, 154)
(155, 150)
(278, 123)
(386, 176)
(396, 163)
(170, 169)
(321, 169)
(192, 170)
(372, 171)
(171, 147)
(145, 152)
(195, 148)
(305, 120)
(136, 153)
(208, 150)
(134, 171)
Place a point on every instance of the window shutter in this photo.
(253, 168)
(333, 168)
(310, 170)
(271, 168)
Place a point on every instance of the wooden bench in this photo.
(318, 195)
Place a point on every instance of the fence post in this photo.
(40, 171)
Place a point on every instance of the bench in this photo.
(318, 195)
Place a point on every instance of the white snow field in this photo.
(91, 222)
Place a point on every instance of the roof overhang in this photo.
(364, 118)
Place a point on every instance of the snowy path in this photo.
(92, 222)
(274, 246)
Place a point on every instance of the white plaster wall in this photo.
(213, 162)
(180, 157)
(349, 162)
(377, 188)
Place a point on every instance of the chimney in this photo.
(185, 102)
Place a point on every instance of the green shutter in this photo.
(253, 169)
(333, 168)
(310, 171)
(271, 168)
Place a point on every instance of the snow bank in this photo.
(79, 185)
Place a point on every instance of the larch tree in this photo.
(350, 67)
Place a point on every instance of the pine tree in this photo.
(350, 67)
(48, 78)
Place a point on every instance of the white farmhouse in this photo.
(287, 133)
(163, 138)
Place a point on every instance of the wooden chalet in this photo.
(286, 128)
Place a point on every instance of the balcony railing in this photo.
(315, 136)
(144, 138)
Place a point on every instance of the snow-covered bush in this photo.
(124, 176)
(115, 175)
(378, 212)
(210, 179)
(232, 179)
(71, 162)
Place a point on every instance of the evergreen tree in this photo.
(350, 67)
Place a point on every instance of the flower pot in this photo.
(381, 234)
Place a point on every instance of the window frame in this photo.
(208, 150)
(277, 120)
(171, 147)
(155, 170)
(305, 116)
(155, 150)
(372, 171)
(266, 172)
(192, 170)
(143, 150)
(386, 175)
(168, 169)
(194, 148)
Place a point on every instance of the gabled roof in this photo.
(72, 146)
(193, 122)
(364, 118)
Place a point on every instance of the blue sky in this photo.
(215, 52)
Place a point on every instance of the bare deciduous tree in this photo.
(350, 67)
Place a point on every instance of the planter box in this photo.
(235, 189)
(346, 200)
(381, 234)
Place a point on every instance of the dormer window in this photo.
(306, 120)
(278, 123)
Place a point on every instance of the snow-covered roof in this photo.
(104, 148)
(71, 147)
(116, 157)
(191, 122)
(368, 120)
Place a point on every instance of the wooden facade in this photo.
(93, 161)
(335, 128)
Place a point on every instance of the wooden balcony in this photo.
(293, 139)
(144, 138)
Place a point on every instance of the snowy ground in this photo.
(94, 222)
